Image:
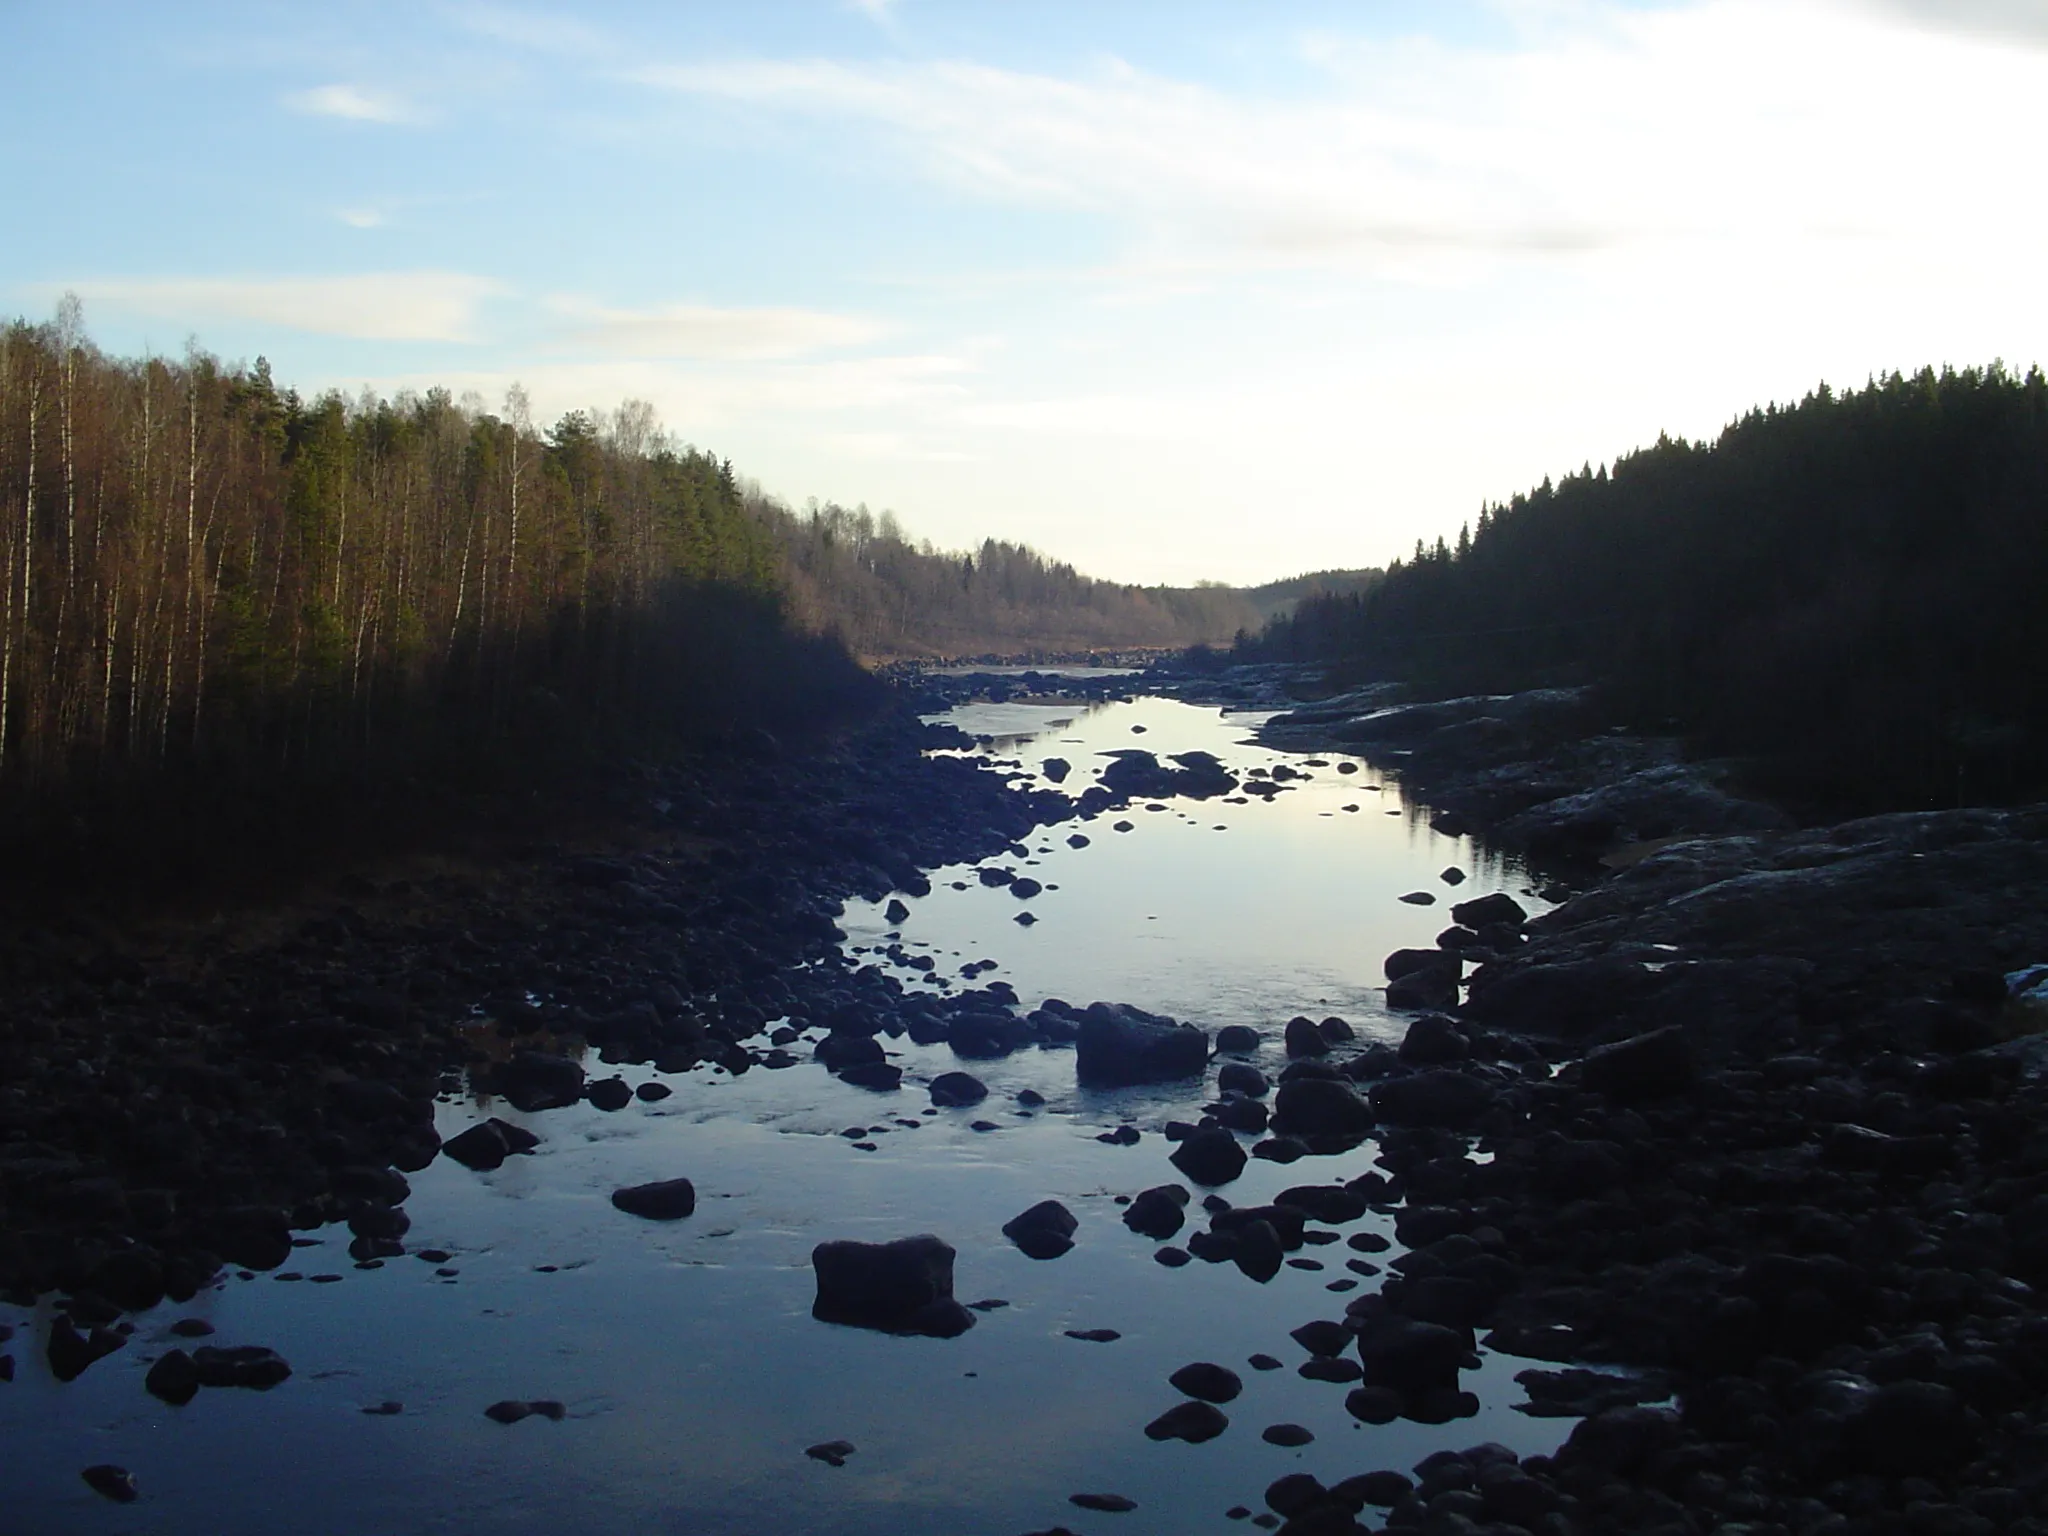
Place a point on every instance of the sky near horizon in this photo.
(1170, 291)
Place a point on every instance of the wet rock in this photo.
(1192, 1422)
(1322, 1338)
(1496, 907)
(245, 1365)
(1289, 1435)
(1094, 1335)
(70, 1353)
(1158, 1212)
(481, 1148)
(1210, 1156)
(1103, 1503)
(1374, 1404)
(957, 1090)
(1439, 1097)
(1316, 1107)
(842, 1049)
(1419, 898)
(1119, 1045)
(610, 1094)
(1044, 1232)
(1433, 1041)
(537, 1080)
(1239, 1114)
(1905, 1428)
(1339, 1372)
(1331, 1204)
(1024, 888)
(1056, 770)
(1656, 1065)
(1237, 1038)
(896, 913)
(252, 1237)
(1242, 1077)
(1302, 1038)
(877, 1076)
(173, 1378)
(1172, 1258)
(1208, 1381)
(1423, 989)
(663, 1200)
(832, 1452)
(111, 1482)
(1257, 1250)
(905, 1286)
(1408, 1356)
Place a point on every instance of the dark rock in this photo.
(1295, 1494)
(1120, 1045)
(246, 1365)
(1104, 1503)
(1158, 1212)
(1383, 1489)
(842, 1049)
(1239, 1039)
(878, 1076)
(1433, 1041)
(1908, 1428)
(1210, 1156)
(832, 1452)
(111, 1482)
(173, 1378)
(1322, 1338)
(482, 1147)
(956, 1090)
(905, 1286)
(1339, 1371)
(1239, 1114)
(252, 1237)
(70, 1352)
(1374, 1404)
(1094, 1335)
(1258, 1251)
(1208, 1381)
(1286, 1434)
(610, 1094)
(1497, 907)
(1331, 1204)
(1320, 1107)
(509, 1411)
(1044, 1232)
(536, 1080)
(663, 1200)
(1652, 1066)
(1419, 898)
(1409, 1356)
(1439, 1097)
(1423, 989)
(1242, 1077)
(1192, 1422)
(1302, 1038)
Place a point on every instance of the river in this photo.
(691, 1370)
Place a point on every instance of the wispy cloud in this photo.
(551, 32)
(376, 306)
(1603, 127)
(361, 218)
(352, 102)
(712, 333)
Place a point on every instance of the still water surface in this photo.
(693, 1372)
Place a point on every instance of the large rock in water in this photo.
(900, 1287)
(1315, 1106)
(1119, 1045)
(665, 1200)
(1044, 1232)
(1210, 1156)
(534, 1080)
(1409, 1356)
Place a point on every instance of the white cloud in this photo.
(544, 31)
(361, 218)
(1603, 128)
(379, 306)
(707, 332)
(352, 102)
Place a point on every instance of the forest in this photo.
(224, 599)
(858, 576)
(1848, 589)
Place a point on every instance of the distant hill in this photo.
(1275, 599)
(1850, 588)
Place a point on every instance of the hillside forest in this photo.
(1849, 588)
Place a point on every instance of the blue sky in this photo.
(1172, 291)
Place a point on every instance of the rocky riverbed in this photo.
(1734, 1155)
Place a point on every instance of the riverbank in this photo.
(1787, 1167)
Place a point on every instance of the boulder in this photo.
(1439, 1097)
(905, 1286)
(1652, 1066)
(956, 1090)
(247, 1365)
(1044, 1232)
(1433, 1041)
(536, 1080)
(1433, 988)
(1242, 1077)
(1121, 1045)
(1312, 1106)
(486, 1145)
(1192, 1422)
(1302, 1038)
(1208, 1381)
(664, 1200)
(1210, 1156)
(1407, 1355)
(840, 1050)
(880, 1076)
(1496, 907)
(1239, 1039)
(1158, 1212)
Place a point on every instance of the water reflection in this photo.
(692, 1370)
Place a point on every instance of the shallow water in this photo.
(693, 1372)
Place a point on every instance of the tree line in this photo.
(1848, 588)
(861, 577)
(208, 579)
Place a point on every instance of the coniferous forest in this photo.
(1851, 589)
